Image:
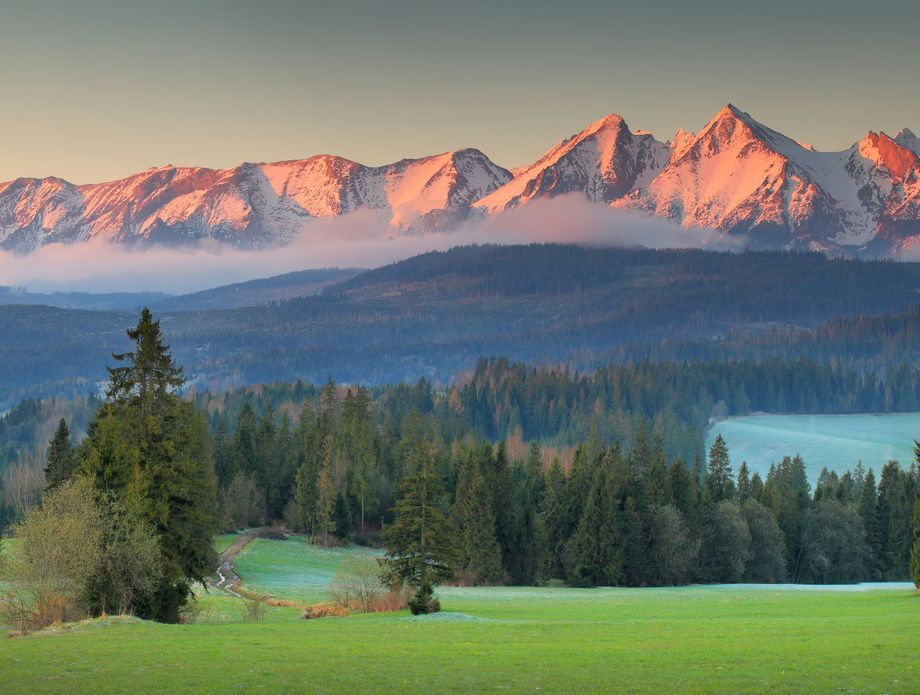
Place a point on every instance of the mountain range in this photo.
(735, 175)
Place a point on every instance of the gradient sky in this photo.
(95, 90)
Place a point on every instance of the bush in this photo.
(194, 612)
(78, 554)
(357, 584)
(423, 600)
(254, 612)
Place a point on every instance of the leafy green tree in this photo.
(61, 460)
(834, 541)
(768, 549)
(672, 552)
(151, 450)
(420, 544)
(726, 544)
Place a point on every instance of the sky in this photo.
(94, 90)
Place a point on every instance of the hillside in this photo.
(436, 314)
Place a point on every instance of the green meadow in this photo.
(689, 639)
(836, 442)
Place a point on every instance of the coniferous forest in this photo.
(542, 475)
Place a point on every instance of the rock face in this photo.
(735, 175)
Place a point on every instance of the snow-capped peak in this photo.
(604, 161)
(906, 138)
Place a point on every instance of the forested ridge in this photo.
(435, 315)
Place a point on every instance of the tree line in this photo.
(356, 465)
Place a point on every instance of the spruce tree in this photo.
(744, 482)
(915, 548)
(150, 448)
(61, 460)
(719, 484)
(420, 541)
(479, 549)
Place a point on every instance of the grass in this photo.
(689, 639)
(223, 541)
(293, 569)
(837, 442)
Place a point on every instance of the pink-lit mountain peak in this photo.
(735, 174)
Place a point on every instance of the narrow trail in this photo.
(229, 580)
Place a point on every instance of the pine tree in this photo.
(719, 484)
(555, 513)
(150, 448)
(744, 482)
(915, 547)
(597, 542)
(420, 542)
(866, 508)
(61, 460)
(480, 553)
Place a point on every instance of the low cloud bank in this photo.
(361, 239)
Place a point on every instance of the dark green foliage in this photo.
(768, 549)
(599, 539)
(151, 449)
(420, 541)
(786, 494)
(61, 460)
(480, 556)
(915, 548)
(835, 546)
(726, 544)
(719, 485)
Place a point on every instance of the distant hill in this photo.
(302, 283)
(433, 315)
(103, 301)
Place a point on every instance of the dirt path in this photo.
(229, 580)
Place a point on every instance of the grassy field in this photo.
(837, 442)
(291, 569)
(693, 639)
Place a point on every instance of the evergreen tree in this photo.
(915, 548)
(866, 508)
(744, 482)
(554, 512)
(479, 552)
(61, 460)
(719, 484)
(598, 554)
(151, 449)
(420, 544)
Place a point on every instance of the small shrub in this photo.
(423, 600)
(357, 585)
(193, 613)
(254, 612)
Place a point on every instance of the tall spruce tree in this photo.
(150, 448)
(915, 548)
(61, 460)
(479, 552)
(420, 541)
(719, 485)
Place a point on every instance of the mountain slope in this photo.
(249, 205)
(735, 175)
(605, 161)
